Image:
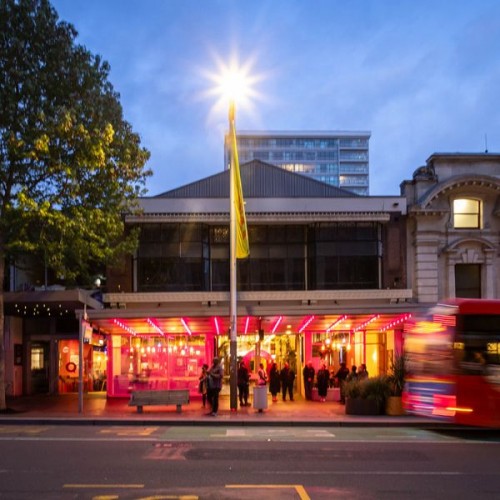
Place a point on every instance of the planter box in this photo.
(394, 406)
(332, 394)
(358, 406)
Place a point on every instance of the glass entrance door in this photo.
(40, 368)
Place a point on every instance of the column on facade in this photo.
(450, 278)
(490, 275)
(426, 271)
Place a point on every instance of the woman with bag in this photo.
(262, 375)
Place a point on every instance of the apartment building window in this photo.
(466, 213)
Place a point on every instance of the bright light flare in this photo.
(233, 83)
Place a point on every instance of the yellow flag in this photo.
(242, 246)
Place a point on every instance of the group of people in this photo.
(280, 381)
(325, 379)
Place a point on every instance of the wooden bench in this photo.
(159, 398)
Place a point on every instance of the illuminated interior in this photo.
(168, 353)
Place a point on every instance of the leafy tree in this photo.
(70, 165)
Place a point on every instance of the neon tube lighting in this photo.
(217, 327)
(306, 324)
(335, 323)
(121, 324)
(366, 323)
(278, 321)
(186, 327)
(395, 322)
(155, 326)
(247, 322)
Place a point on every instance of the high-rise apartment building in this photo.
(337, 158)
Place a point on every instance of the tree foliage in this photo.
(70, 164)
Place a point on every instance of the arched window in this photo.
(466, 213)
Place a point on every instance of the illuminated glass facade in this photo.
(337, 158)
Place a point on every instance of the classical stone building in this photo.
(453, 229)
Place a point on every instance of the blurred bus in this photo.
(453, 363)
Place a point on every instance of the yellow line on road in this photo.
(147, 431)
(297, 487)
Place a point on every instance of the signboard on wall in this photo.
(87, 332)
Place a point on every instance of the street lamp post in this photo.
(233, 84)
(233, 278)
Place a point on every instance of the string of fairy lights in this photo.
(41, 310)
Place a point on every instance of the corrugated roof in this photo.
(259, 180)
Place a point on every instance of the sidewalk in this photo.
(98, 410)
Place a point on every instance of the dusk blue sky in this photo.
(422, 76)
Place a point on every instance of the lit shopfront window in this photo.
(149, 362)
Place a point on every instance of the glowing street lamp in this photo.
(234, 86)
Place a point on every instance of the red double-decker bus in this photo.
(453, 362)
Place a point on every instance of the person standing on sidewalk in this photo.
(202, 387)
(214, 385)
(308, 373)
(287, 379)
(262, 375)
(323, 377)
(243, 381)
(274, 381)
(341, 375)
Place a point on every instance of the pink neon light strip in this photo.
(155, 326)
(335, 323)
(184, 324)
(366, 323)
(395, 322)
(278, 321)
(306, 324)
(121, 324)
(247, 322)
(217, 327)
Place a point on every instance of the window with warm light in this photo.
(466, 213)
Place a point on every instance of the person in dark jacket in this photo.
(214, 385)
(353, 375)
(274, 381)
(287, 376)
(308, 374)
(323, 378)
(341, 375)
(243, 381)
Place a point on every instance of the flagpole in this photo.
(233, 345)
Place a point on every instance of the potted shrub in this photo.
(366, 397)
(394, 405)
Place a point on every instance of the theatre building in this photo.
(331, 277)
(326, 281)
